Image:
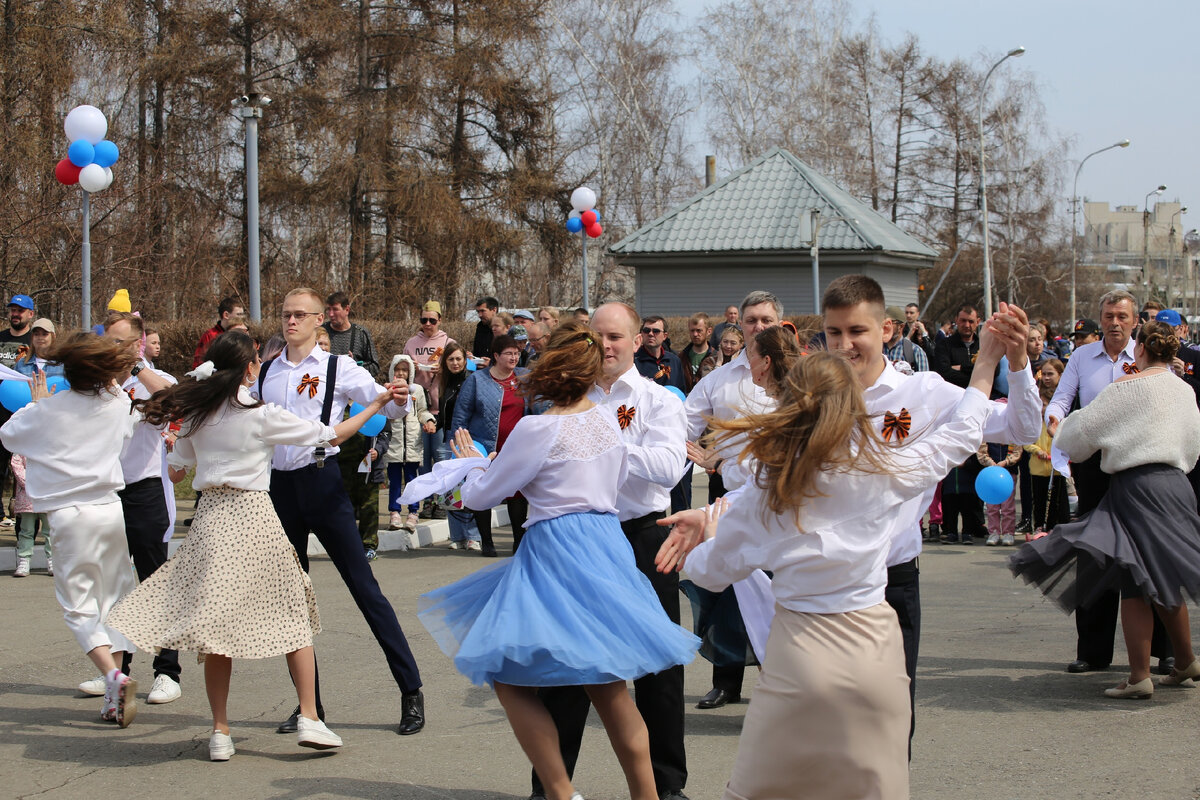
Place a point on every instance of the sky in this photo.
(1107, 71)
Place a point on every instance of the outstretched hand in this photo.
(1011, 325)
(690, 528)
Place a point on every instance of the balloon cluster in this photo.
(90, 157)
(584, 216)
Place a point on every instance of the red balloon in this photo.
(588, 218)
(66, 172)
(594, 230)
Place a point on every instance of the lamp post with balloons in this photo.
(89, 164)
(584, 219)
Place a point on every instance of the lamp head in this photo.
(1016, 51)
(1123, 143)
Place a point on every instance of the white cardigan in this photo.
(1151, 419)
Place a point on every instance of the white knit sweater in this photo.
(1151, 419)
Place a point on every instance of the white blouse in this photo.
(836, 560)
(72, 447)
(561, 463)
(234, 447)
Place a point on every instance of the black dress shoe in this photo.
(1025, 526)
(676, 795)
(1165, 665)
(717, 698)
(488, 552)
(412, 714)
(1079, 665)
(291, 724)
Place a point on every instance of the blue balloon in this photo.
(57, 383)
(471, 365)
(483, 451)
(81, 153)
(15, 394)
(994, 485)
(106, 153)
(675, 390)
(574, 224)
(372, 426)
(596, 211)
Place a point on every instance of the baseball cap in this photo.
(43, 324)
(519, 333)
(894, 313)
(22, 300)
(522, 313)
(1169, 316)
(1086, 327)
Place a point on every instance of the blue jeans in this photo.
(462, 523)
(399, 474)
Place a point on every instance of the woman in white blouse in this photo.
(570, 608)
(72, 444)
(235, 588)
(831, 710)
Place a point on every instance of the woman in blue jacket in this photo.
(489, 407)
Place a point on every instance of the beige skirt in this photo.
(829, 717)
(234, 588)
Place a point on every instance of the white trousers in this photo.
(91, 570)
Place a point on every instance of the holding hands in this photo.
(1011, 325)
(690, 528)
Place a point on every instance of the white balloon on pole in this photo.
(583, 199)
(108, 177)
(92, 178)
(86, 122)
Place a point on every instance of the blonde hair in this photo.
(304, 290)
(820, 424)
(551, 310)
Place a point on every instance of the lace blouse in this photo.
(561, 463)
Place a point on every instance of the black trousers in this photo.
(659, 696)
(1050, 505)
(314, 499)
(1025, 484)
(969, 507)
(903, 594)
(1096, 626)
(681, 493)
(518, 512)
(146, 520)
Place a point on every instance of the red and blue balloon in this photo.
(584, 216)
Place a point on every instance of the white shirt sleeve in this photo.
(661, 456)
(1068, 387)
(359, 387)
(1019, 421)
(729, 556)
(280, 426)
(523, 456)
(930, 458)
(183, 454)
(698, 405)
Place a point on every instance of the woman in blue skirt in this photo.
(570, 608)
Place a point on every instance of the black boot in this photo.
(412, 716)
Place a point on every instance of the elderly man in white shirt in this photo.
(307, 489)
(1093, 367)
(725, 393)
(654, 428)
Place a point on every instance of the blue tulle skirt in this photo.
(569, 609)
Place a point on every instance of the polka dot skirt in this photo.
(234, 587)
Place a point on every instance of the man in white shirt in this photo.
(307, 490)
(856, 325)
(653, 425)
(724, 393)
(143, 503)
(1093, 367)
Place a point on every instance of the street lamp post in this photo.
(1171, 258)
(987, 266)
(249, 108)
(1074, 209)
(810, 231)
(1146, 241)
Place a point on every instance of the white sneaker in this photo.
(456, 546)
(22, 570)
(220, 745)
(95, 687)
(395, 521)
(411, 522)
(7, 522)
(164, 690)
(993, 539)
(49, 566)
(120, 700)
(473, 544)
(313, 733)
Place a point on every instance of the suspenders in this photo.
(326, 406)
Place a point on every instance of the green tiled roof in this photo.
(758, 208)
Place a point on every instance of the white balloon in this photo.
(583, 199)
(92, 178)
(575, 213)
(108, 177)
(86, 122)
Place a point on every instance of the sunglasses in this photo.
(299, 315)
(428, 320)
(655, 331)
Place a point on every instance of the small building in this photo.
(744, 233)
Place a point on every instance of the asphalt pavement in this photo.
(998, 717)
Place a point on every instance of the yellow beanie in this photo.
(120, 301)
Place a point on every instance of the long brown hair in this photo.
(444, 374)
(780, 345)
(191, 401)
(820, 424)
(91, 363)
(571, 364)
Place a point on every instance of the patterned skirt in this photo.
(234, 588)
